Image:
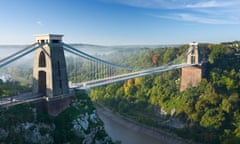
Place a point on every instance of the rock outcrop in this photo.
(79, 123)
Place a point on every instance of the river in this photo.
(119, 128)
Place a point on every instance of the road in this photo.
(21, 98)
(29, 97)
(112, 79)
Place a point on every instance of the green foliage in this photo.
(45, 118)
(210, 110)
(59, 127)
(44, 131)
(63, 124)
(212, 119)
(15, 115)
(11, 88)
(217, 53)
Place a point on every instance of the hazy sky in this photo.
(120, 22)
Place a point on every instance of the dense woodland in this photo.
(210, 112)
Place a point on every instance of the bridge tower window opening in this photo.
(42, 60)
(192, 59)
(193, 56)
(42, 41)
(55, 41)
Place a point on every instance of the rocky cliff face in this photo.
(79, 123)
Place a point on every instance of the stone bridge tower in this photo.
(49, 69)
(193, 53)
(191, 76)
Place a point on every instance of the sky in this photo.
(120, 22)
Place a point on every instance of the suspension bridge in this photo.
(50, 79)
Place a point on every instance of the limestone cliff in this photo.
(79, 123)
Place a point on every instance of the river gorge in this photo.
(130, 132)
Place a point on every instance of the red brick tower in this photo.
(191, 76)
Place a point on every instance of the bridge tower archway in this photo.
(42, 82)
(42, 60)
(49, 68)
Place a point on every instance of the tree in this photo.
(236, 123)
(213, 119)
(226, 105)
(216, 53)
(169, 55)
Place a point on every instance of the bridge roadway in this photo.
(112, 79)
(21, 98)
(29, 97)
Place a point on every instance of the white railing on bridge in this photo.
(112, 79)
